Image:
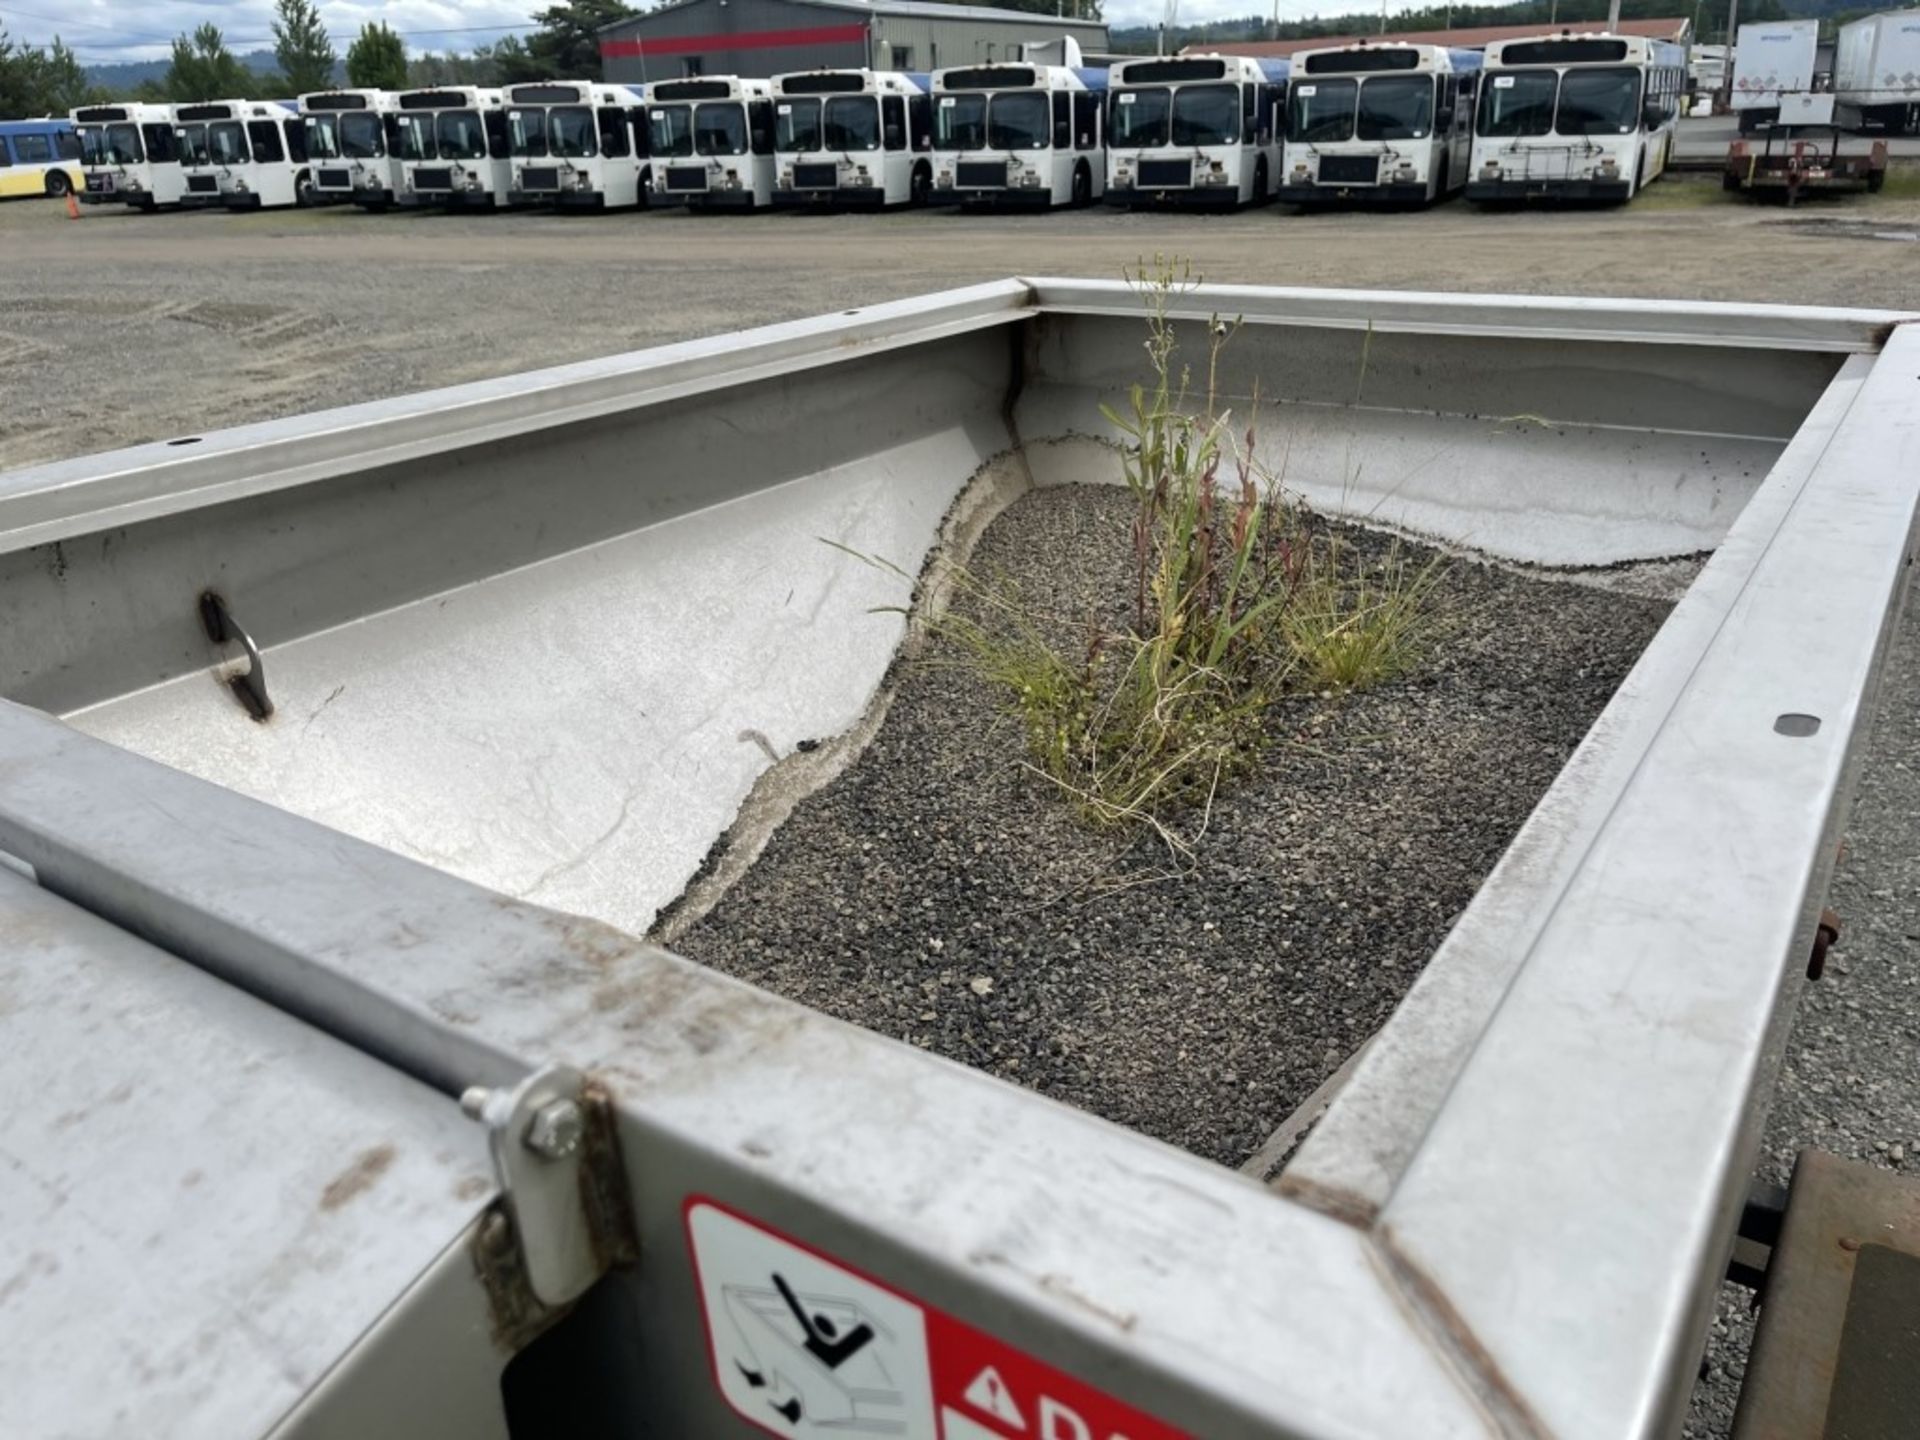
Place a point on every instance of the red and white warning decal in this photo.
(804, 1346)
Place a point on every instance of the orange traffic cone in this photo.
(73, 207)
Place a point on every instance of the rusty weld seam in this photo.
(1435, 1319)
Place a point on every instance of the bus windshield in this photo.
(193, 144)
(570, 132)
(361, 137)
(796, 126)
(1139, 118)
(323, 137)
(111, 145)
(527, 133)
(853, 122)
(227, 143)
(1206, 115)
(1396, 107)
(461, 136)
(1321, 112)
(1519, 102)
(961, 123)
(1017, 120)
(672, 127)
(415, 137)
(1599, 102)
(720, 128)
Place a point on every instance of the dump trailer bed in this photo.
(344, 758)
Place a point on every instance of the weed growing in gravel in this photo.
(1239, 599)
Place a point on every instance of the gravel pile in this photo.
(940, 893)
(1850, 1083)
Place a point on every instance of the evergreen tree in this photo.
(377, 60)
(204, 69)
(302, 47)
(567, 44)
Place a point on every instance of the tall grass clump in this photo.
(1239, 599)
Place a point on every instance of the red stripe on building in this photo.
(743, 40)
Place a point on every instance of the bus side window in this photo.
(266, 142)
(613, 132)
(296, 139)
(1249, 109)
(1086, 119)
(69, 145)
(920, 110)
(893, 122)
(31, 149)
(496, 133)
(760, 126)
(6, 158)
(160, 146)
(1062, 121)
(642, 131)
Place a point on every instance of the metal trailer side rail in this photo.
(1611, 1007)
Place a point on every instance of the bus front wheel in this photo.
(1082, 185)
(58, 184)
(1260, 192)
(920, 187)
(302, 189)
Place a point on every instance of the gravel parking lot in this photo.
(124, 328)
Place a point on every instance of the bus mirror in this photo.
(894, 138)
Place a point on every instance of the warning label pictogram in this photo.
(805, 1346)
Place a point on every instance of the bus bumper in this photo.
(1011, 198)
(721, 200)
(1191, 197)
(1497, 191)
(844, 197)
(236, 201)
(1315, 194)
(470, 200)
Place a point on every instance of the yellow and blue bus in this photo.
(38, 157)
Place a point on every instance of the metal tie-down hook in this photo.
(250, 687)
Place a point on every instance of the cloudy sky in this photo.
(108, 30)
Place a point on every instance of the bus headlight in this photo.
(240, 186)
(133, 182)
(1403, 174)
(732, 181)
(1215, 174)
(1609, 166)
(473, 182)
(1030, 179)
(944, 180)
(1122, 175)
(582, 180)
(1492, 167)
(786, 179)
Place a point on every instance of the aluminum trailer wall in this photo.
(1434, 1231)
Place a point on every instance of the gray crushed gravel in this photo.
(937, 892)
(1850, 1083)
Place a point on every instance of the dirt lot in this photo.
(204, 319)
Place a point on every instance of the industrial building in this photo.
(772, 37)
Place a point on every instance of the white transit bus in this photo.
(852, 138)
(1379, 124)
(1195, 130)
(711, 139)
(1019, 134)
(453, 147)
(576, 144)
(347, 147)
(1575, 117)
(128, 156)
(244, 154)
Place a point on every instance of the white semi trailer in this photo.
(1771, 60)
(1876, 72)
(346, 759)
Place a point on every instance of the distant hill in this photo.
(129, 74)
